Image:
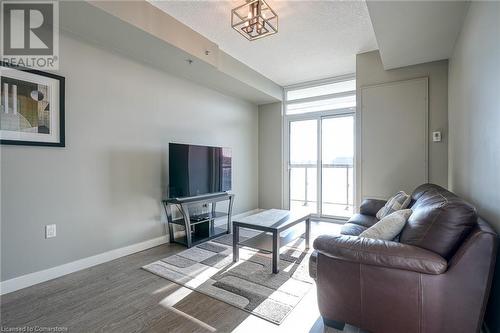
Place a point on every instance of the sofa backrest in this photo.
(440, 220)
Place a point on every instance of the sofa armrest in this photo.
(371, 206)
(381, 253)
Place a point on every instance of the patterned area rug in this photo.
(248, 284)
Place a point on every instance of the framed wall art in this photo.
(32, 107)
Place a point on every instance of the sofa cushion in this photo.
(422, 189)
(371, 206)
(363, 220)
(440, 221)
(352, 229)
(400, 201)
(357, 224)
(388, 227)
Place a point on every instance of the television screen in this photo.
(196, 170)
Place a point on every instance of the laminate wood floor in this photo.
(119, 296)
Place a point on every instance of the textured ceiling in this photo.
(316, 39)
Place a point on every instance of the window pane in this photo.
(303, 190)
(303, 142)
(326, 89)
(303, 165)
(337, 153)
(338, 140)
(322, 105)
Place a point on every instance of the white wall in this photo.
(104, 189)
(370, 71)
(270, 156)
(474, 113)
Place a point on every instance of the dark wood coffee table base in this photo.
(270, 240)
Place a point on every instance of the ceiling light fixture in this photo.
(254, 19)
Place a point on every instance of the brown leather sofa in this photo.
(436, 279)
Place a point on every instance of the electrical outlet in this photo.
(436, 136)
(50, 231)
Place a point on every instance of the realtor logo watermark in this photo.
(30, 34)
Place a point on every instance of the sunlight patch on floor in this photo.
(302, 319)
(178, 295)
(175, 297)
(191, 318)
(168, 287)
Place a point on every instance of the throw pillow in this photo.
(400, 201)
(388, 227)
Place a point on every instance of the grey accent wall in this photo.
(103, 190)
(370, 71)
(270, 156)
(474, 112)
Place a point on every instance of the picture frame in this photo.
(32, 107)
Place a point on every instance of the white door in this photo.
(393, 138)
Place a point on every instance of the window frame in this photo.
(288, 118)
(317, 98)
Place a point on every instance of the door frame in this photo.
(318, 116)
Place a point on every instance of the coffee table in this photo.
(273, 222)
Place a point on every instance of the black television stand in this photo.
(198, 228)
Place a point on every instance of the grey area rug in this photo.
(248, 284)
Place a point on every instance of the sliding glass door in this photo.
(319, 146)
(320, 169)
(337, 161)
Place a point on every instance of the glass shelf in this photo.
(196, 219)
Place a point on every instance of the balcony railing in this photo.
(337, 188)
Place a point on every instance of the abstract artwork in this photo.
(32, 107)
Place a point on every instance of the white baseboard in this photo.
(31, 279)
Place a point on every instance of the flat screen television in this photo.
(198, 170)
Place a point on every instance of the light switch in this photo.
(50, 231)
